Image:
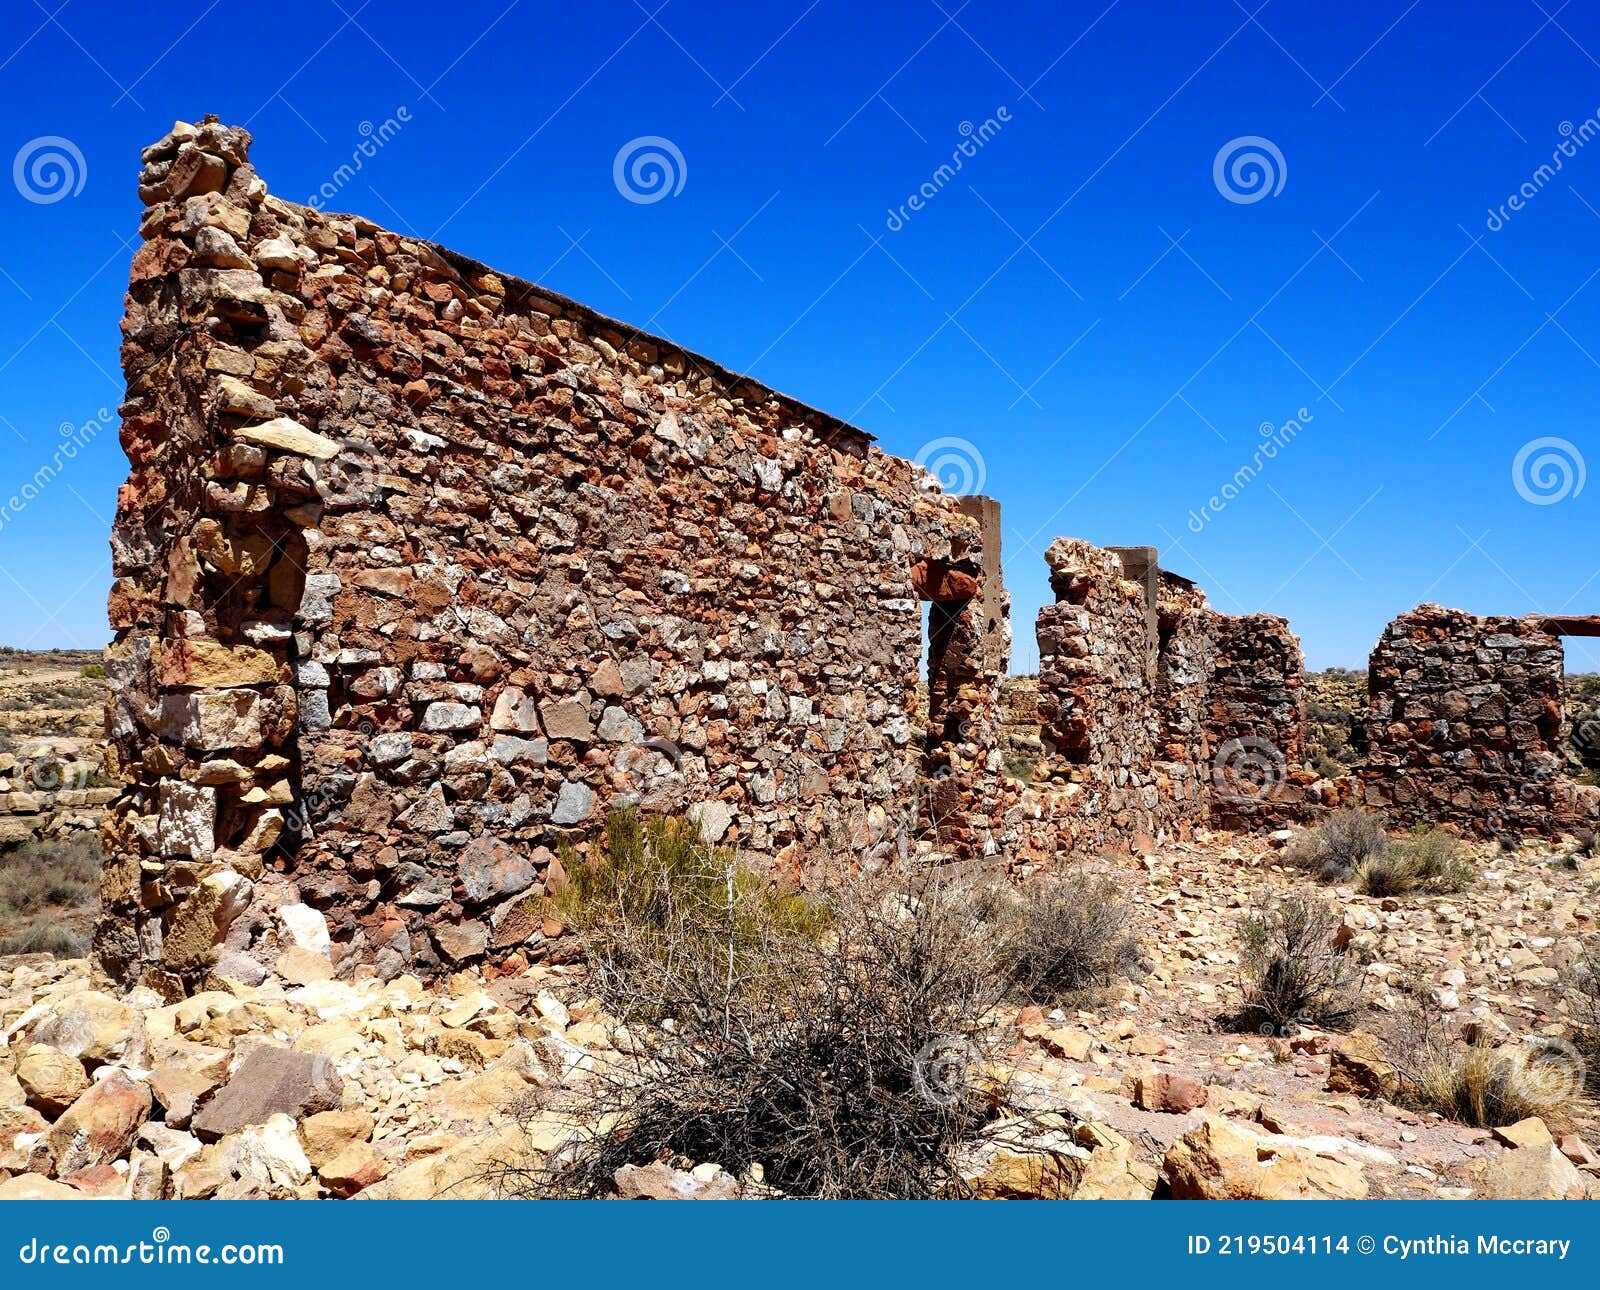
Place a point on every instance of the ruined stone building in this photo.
(420, 568)
(1466, 725)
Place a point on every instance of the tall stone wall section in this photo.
(1158, 713)
(1255, 722)
(1185, 661)
(1465, 726)
(420, 569)
(1096, 718)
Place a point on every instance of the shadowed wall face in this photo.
(419, 570)
(1466, 725)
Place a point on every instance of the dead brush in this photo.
(1293, 970)
(48, 892)
(1581, 984)
(1335, 848)
(1065, 936)
(1428, 860)
(842, 1055)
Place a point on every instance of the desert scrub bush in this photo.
(1428, 859)
(40, 876)
(46, 938)
(1581, 985)
(1470, 1081)
(1020, 766)
(1293, 969)
(843, 1063)
(1061, 937)
(648, 884)
(93, 671)
(1335, 848)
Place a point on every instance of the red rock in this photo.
(1169, 1092)
(99, 1127)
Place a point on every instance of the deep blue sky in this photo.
(1036, 307)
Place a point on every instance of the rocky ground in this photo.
(1491, 955)
(305, 1086)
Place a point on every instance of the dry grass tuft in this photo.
(1429, 860)
(1065, 937)
(1335, 848)
(1474, 1083)
(48, 895)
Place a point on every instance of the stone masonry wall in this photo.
(1465, 726)
(420, 569)
(1185, 659)
(1097, 722)
(1255, 722)
(1158, 713)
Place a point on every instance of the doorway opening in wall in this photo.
(943, 711)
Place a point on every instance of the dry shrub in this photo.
(834, 1055)
(1428, 860)
(1471, 1082)
(1064, 936)
(649, 883)
(1582, 984)
(1353, 844)
(1336, 847)
(1293, 970)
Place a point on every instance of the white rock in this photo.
(270, 1154)
(305, 927)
